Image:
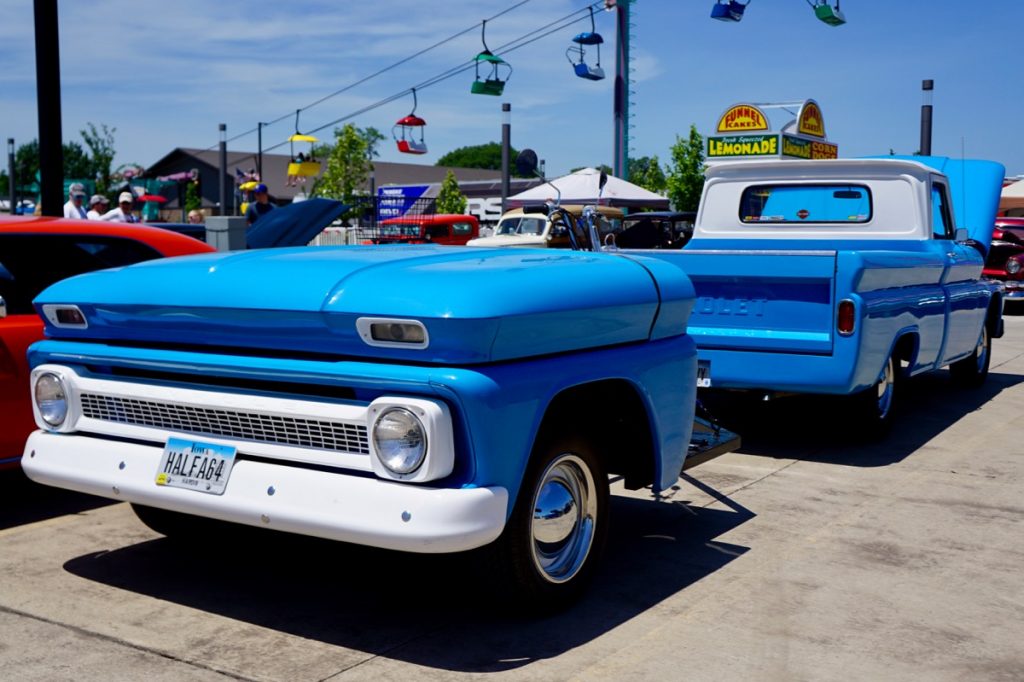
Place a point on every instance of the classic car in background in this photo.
(532, 226)
(656, 230)
(1005, 260)
(445, 228)
(35, 253)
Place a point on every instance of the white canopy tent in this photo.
(1011, 199)
(582, 187)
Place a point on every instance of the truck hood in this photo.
(478, 305)
(975, 185)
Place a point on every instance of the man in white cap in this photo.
(123, 212)
(97, 207)
(76, 199)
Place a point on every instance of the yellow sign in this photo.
(808, 149)
(743, 145)
(742, 118)
(810, 122)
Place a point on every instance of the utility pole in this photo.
(51, 153)
(259, 149)
(926, 118)
(222, 128)
(10, 172)
(621, 102)
(506, 152)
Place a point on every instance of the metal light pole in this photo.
(10, 172)
(259, 149)
(621, 102)
(926, 118)
(506, 152)
(51, 153)
(223, 128)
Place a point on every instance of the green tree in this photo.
(77, 163)
(100, 142)
(647, 173)
(450, 199)
(193, 199)
(603, 167)
(479, 156)
(26, 163)
(347, 166)
(685, 179)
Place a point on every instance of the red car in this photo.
(1005, 260)
(445, 228)
(35, 253)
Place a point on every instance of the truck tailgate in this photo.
(764, 300)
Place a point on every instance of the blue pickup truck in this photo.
(843, 276)
(375, 395)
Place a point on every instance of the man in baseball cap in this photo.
(260, 207)
(123, 212)
(76, 199)
(97, 207)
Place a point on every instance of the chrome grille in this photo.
(253, 426)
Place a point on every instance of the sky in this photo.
(164, 75)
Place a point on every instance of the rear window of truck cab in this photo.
(789, 204)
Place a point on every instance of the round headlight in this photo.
(401, 441)
(1013, 266)
(51, 399)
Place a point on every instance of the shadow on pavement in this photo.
(23, 501)
(432, 610)
(816, 428)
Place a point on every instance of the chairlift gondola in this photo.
(576, 53)
(493, 84)
(404, 131)
(301, 166)
(728, 10)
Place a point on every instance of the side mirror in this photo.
(3, 308)
(961, 234)
(526, 163)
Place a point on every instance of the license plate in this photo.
(703, 374)
(195, 465)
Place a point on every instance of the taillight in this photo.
(846, 320)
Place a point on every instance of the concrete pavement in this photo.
(804, 556)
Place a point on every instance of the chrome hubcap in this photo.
(885, 388)
(564, 513)
(981, 352)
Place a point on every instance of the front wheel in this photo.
(972, 371)
(873, 407)
(556, 534)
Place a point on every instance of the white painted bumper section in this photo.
(357, 509)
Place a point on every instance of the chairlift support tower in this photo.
(621, 92)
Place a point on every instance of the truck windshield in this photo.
(521, 225)
(805, 204)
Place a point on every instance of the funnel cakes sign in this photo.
(800, 138)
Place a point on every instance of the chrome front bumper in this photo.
(352, 508)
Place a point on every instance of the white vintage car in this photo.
(528, 227)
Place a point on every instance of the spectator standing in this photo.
(76, 199)
(123, 212)
(260, 207)
(98, 205)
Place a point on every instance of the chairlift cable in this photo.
(380, 71)
(511, 46)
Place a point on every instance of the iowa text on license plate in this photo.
(195, 465)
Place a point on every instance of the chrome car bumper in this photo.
(337, 506)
